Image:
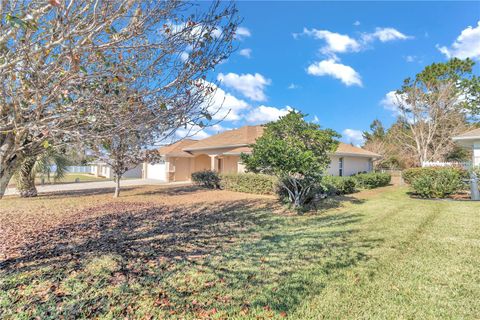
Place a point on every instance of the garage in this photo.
(157, 171)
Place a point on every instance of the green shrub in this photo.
(438, 183)
(339, 185)
(249, 182)
(411, 174)
(206, 178)
(372, 180)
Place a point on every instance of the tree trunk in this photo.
(26, 178)
(117, 186)
(5, 176)
(7, 168)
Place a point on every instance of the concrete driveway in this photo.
(95, 185)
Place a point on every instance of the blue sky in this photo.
(337, 61)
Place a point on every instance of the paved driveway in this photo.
(95, 185)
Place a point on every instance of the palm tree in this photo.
(40, 165)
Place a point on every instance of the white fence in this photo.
(445, 164)
(81, 169)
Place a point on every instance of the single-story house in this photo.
(101, 169)
(471, 140)
(221, 152)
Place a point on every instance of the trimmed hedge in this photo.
(440, 184)
(372, 180)
(339, 185)
(249, 183)
(411, 174)
(207, 178)
(435, 182)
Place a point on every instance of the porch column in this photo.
(476, 154)
(213, 163)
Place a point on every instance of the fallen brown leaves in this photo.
(144, 222)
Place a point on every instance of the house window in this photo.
(340, 167)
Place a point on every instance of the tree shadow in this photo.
(239, 243)
(336, 202)
(175, 191)
(130, 233)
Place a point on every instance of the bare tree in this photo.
(433, 108)
(53, 54)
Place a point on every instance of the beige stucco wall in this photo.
(351, 165)
(201, 162)
(180, 168)
(230, 164)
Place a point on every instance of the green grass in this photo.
(387, 256)
(71, 177)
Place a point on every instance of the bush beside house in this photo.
(207, 178)
(249, 183)
(267, 184)
(337, 186)
(372, 180)
(435, 182)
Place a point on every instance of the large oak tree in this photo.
(56, 55)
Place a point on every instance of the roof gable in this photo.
(176, 149)
(243, 136)
(472, 134)
(347, 149)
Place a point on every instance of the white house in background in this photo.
(101, 169)
(471, 140)
(221, 153)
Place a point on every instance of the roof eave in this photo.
(216, 147)
(353, 154)
(460, 138)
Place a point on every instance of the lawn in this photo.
(68, 178)
(184, 253)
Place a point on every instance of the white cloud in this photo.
(392, 101)
(342, 43)
(264, 114)
(335, 42)
(250, 85)
(410, 58)
(216, 128)
(225, 106)
(242, 32)
(467, 44)
(330, 67)
(385, 35)
(353, 136)
(246, 53)
(315, 119)
(356, 23)
(292, 86)
(191, 131)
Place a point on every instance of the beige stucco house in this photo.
(471, 140)
(221, 153)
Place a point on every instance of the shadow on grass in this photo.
(257, 259)
(336, 202)
(175, 191)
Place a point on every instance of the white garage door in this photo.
(156, 171)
